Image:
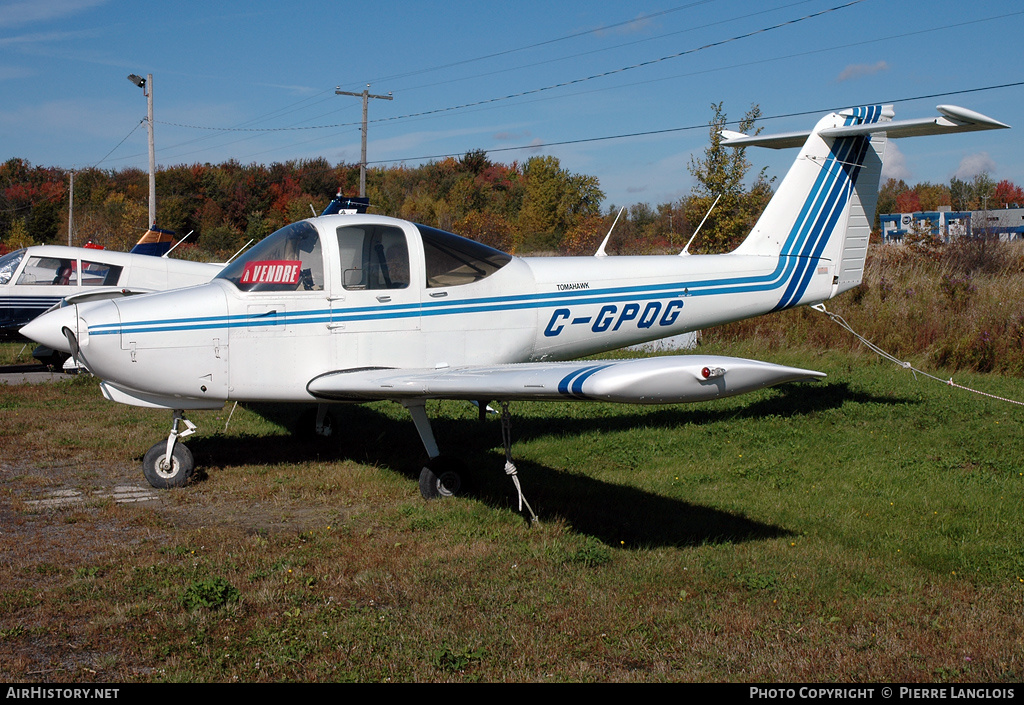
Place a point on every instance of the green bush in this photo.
(211, 593)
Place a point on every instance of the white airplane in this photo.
(354, 308)
(33, 279)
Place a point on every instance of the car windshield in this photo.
(9, 263)
(287, 260)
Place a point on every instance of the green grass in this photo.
(957, 307)
(16, 353)
(862, 528)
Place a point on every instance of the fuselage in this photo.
(347, 292)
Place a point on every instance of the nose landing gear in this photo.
(169, 463)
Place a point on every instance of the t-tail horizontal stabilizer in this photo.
(952, 119)
(818, 223)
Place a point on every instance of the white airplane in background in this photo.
(35, 278)
(354, 308)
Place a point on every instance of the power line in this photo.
(646, 133)
(487, 104)
(547, 42)
(564, 84)
(605, 138)
(604, 49)
(141, 122)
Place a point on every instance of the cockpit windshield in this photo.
(9, 263)
(287, 260)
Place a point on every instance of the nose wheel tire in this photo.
(163, 475)
(441, 477)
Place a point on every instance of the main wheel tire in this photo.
(441, 477)
(177, 475)
(306, 426)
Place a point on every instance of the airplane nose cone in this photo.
(48, 328)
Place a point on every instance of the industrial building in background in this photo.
(1005, 223)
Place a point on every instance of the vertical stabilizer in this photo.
(819, 219)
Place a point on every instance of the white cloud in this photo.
(31, 11)
(9, 73)
(60, 117)
(641, 25)
(637, 26)
(506, 136)
(974, 164)
(860, 70)
(895, 164)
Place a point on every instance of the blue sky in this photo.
(609, 88)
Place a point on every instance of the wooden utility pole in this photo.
(365, 95)
(71, 206)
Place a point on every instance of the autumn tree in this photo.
(585, 236)
(972, 195)
(932, 197)
(488, 228)
(33, 196)
(887, 195)
(908, 202)
(555, 199)
(722, 172)
(1008, 195)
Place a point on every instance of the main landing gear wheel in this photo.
(162, 474)
(441, 477)
(316, 424)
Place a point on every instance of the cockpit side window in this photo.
(49, 271)
(373, 257)
(287, 260)
(100, 274)
(452, 260)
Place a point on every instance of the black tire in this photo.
(305, 428)
(180, 471)
(441, 477)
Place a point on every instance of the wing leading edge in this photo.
(655, 380)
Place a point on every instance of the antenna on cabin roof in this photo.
(346, 204)
(600, 250)
(686, 249)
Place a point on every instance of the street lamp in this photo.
(146, 84)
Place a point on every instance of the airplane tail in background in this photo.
(154, 242)
(819, 220)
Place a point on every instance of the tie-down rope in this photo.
(510, 468)
(836, 318)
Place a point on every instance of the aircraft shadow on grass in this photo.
(618, 515)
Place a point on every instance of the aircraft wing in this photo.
(951, 119)
(653, 380)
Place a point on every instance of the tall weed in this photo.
(958, 307)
